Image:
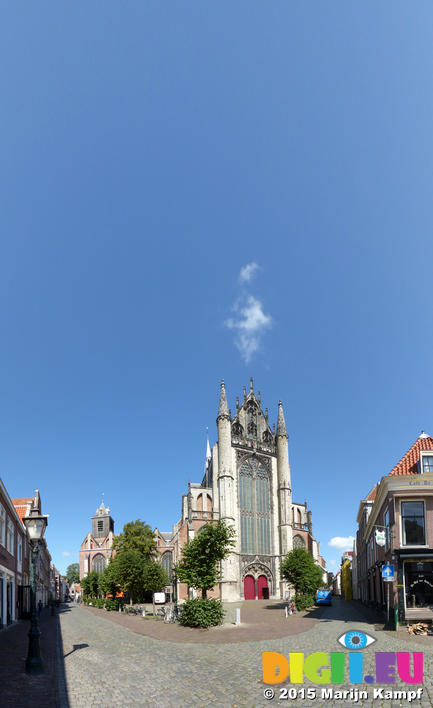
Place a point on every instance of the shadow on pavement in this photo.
(76, 647)
(346, 611)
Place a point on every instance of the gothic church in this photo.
(247, 483)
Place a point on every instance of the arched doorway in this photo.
(249, 588)
(262, 588)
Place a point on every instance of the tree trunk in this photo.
(203, 594)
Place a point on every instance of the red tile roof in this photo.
(371, 496)
(409, 462)
(21, 505)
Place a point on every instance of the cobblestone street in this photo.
(109, 665)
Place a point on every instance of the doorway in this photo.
(249, 588)
(262, 588)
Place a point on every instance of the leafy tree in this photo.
(127, 572)
(107, 582)
(90, 584)
(73, 573)
(154, 578)
(137, 536)
(200, 557)
(300, 570)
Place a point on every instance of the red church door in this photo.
(249, 588)
(262, 588)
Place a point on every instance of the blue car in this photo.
(323, 597)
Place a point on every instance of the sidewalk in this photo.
(17, 689)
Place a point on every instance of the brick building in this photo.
(14, 560)
(95, 550)
(401, 505)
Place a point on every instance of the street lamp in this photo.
(35, 524)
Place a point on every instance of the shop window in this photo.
(413, 523)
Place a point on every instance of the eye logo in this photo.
(355, 640)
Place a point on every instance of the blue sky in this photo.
(149, 152)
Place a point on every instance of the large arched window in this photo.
(298, 541)
(99, 563)
(167, 562)
(255, 507)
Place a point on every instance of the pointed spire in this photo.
(223, 410)
(259, 399)
(237, 403)
(208, 453)
(245, 394)
(281, 423)
(266, 414)
(273, 428)
(251, 385)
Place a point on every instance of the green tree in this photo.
(107, 582)
(90, 584)
(300, 570)
(154, 579)
(127, 572)
(73, 573)
(136, 536)
(199, 565)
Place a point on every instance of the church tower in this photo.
(95, 551)
(254, 495)
(246, 482)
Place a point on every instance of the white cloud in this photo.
(250, 324)
(333, 563)
(344, 543)
(65, 553)
(247, 272)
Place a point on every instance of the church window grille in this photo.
(167, 562)
(298, 542)
(99, 563)
(100, 525)
(255, 507)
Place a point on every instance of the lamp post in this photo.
(35, 524)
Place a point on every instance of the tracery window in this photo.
(99, 563)
(298, 542)
(167, 562)
(255, 507)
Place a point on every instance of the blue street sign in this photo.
(388, 572)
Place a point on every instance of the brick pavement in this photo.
(259, 618)
(17, 689)
(110, 666)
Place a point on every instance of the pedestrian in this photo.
(40, 606)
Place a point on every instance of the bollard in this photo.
(287, 611)
(238, 615)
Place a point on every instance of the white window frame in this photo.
(11, 537)
(2, 525)
(19, 553)
(424, 453)
(387, 530)
(417, 545)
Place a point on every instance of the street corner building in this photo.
(395, 526)
(246, 483)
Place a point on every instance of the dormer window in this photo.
(426, 463)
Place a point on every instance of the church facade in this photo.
(246, 482)
(95, 550)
